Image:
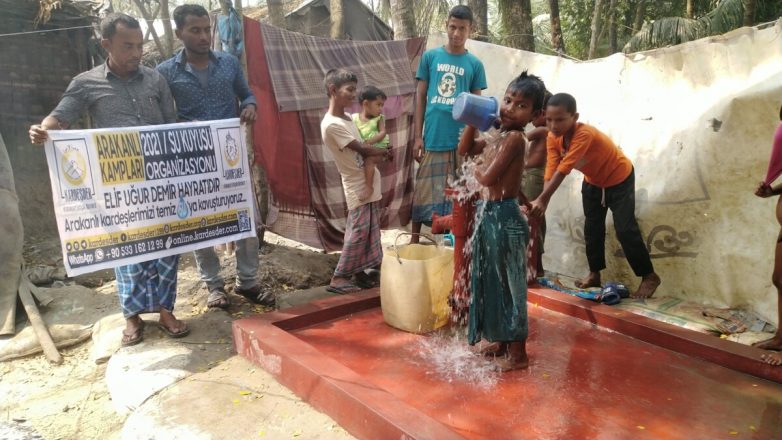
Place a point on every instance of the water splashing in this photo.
(449, 358)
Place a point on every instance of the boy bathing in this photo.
(609, 183)
(372, 127)
(362, 249)
(498, 283)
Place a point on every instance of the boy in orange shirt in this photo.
(609, 182)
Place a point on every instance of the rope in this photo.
(44, 31)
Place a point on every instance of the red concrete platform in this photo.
(584, 380)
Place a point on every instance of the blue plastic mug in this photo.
(475, 110)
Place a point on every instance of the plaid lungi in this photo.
(362, 248)
(147, 287)
(430, 183)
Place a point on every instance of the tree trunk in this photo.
(165, 15)
(595, 29)
(689, 13)
(516, 21)
(612, 27)
(749, 12)
(337, 19)
(385, 10)
(556, 27)
(480, 13)
(276, 13)
(640, 13)
(403, 18)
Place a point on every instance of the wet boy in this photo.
(361, 249)
(498, 281)
(443, 73)
(609, 183)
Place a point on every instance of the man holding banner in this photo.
(122, 93)
(210, 86)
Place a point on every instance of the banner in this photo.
(133, 194)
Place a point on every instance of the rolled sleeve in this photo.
(72, 105)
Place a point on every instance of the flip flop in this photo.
(133, 338)
(343, 289)
(217, 299)
(172, 334)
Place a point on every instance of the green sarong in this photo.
(498, 311)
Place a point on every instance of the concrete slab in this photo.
(233, 400)
(583, 382)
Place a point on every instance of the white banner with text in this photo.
(133, 194)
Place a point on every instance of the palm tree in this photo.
(556, 27)
(403, 17)
(516, 23)
(728, 15)
(596, 16)
(337, 19)
(276, 13)
(481, 25)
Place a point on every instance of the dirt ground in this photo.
(71, 401)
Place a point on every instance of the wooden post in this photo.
(39, 326)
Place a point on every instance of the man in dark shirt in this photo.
(123, 93)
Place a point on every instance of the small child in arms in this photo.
(765, 190)
(372, 127)
(498, 282)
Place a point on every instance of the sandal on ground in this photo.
(258, 296)
(366, 281)
(134, 338)
(217, 299)
(181, 333)
(343, 289)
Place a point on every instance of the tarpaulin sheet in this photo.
(697, 121)
(307, 203)
(298, 62)
(277, 137)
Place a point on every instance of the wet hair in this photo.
(338, 78)
(182, 11)
(563, 100)
(531, 87)
(108, 26)
(370, 93)
(461, 12)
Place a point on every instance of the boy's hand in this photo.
(537, 208)
(418, 150)
(764, 190)
(389, 155)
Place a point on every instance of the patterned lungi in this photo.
(147, 287)
(362, 248)
(430, 183)
(498, 282)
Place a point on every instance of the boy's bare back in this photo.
(503, 166)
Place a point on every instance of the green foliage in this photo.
(728, 15)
